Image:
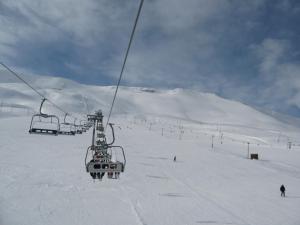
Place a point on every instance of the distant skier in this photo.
(282, 189)
(174, 158)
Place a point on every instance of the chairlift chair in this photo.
(83, 128)
(100, 152)
(97, 167)
(42, 123)
(78, 128)
(87, 125)
(67, 128)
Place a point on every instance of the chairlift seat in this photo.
(100, 135)
(43, 131)
(66, 132)
(99, 148)
(100, 128)
(104, 167)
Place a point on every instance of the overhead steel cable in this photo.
(24, 81)
(125, 59)
(36, 91)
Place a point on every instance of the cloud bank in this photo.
(245, 50)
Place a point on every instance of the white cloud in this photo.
(86, 23)
(271, 52)
(280, 72)
(179, 16)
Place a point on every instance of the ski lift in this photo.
(78, 128)
(101, 152)
(87, 125)
(42, 123)
(67, 128)
(83, 128)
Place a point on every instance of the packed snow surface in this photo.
(44, 181)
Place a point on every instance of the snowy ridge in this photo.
(177, 103)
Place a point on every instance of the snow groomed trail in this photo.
(43, 179)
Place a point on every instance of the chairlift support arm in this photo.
(65, 117)
(113, 134)
(43, 100)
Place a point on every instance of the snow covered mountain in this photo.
(186, 106)
(43, 179)
(178, 103)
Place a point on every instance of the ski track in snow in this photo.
(140, 220)
(200, 197)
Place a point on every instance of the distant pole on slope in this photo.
(212, 141)
(180, 134)
(248, 150)
(221, 138)
(278, 138)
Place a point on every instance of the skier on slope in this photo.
(282, 189)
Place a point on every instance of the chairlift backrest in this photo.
(42, 129)
(67, 128)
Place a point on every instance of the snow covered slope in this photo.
(43, 179)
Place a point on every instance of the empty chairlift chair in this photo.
(78, 127)
(67, 128)
(83, 128)
(87, 125)
(42, 123)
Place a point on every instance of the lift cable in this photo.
(124, 62)
(36, 91)
(20, 78)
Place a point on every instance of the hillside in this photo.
(183, 104)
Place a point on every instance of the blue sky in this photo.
(245, 50)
